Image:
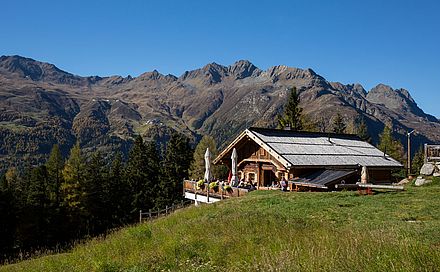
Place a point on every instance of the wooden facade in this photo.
(260, 164)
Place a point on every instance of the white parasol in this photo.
(208, 165)
(364, 175)
(234, 157)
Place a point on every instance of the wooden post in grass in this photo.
(140, 216)
(149, 213)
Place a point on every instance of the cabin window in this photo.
(251, 177)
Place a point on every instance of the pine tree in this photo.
(291, 116)
(175, 168)
(339, 125)
(55, 165)
(391, 146)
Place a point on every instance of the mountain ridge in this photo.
(106, 112)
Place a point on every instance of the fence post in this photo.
(158, 213)
(140, 216)
(166, 209)
(149, 213)
(172, 208)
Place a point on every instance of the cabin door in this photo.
(268, 177)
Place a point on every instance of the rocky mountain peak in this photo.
(210, 73)
(153, 75)
(398, 100)
(242, 69)
(23, 67)
(40, 71)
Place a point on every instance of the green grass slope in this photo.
(273, 231)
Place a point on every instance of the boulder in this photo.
(427, 169)
(421, 181)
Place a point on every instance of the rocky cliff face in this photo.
(41, 105)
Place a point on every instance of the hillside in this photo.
(41, 105)
(273, 231)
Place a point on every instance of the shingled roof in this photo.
(311, 149)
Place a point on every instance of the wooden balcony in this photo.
(190, 189)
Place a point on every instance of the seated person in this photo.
(283, 184)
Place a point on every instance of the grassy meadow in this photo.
(273, 231)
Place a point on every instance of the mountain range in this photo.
(41, 105)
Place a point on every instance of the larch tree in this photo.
(291, 116)
(391, 146)
(73, 175)
(362, 129)
(197, 168)
(339, 125)
(418, 161)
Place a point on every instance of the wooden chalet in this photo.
(306, 159)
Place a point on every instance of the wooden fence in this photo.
(152, 214)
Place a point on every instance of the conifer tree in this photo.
(73, 175)
(118, 197)
(175, 168)
(39, 210)
(391, 146)
(94, 194)
(339, 125)
(7, 216)
(362, 129)
(197, 168)
(136, 174)
(418, 161)
(291, 116)
(55, 165)
(308, 124)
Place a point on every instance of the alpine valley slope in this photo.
(41, 105)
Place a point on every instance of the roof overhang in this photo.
(257, 140)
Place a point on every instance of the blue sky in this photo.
(368, 42)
